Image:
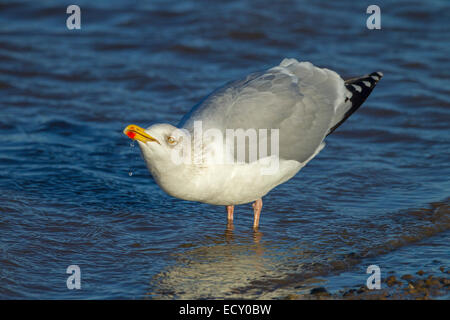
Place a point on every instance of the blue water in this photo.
(73, 190)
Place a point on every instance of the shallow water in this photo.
(74, 191)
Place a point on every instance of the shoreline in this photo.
(419, 286)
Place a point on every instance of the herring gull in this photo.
(291, 107)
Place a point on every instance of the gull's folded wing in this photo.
(302, 101)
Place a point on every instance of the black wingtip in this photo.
(372, 80)
(360, 89)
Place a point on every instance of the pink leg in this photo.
(257, 206)
(230, 210)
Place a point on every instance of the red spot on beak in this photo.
(131, 134)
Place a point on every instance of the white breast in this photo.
(227, 184)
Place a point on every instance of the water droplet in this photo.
(132, 144)
(130, 173)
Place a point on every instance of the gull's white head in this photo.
(157, 143)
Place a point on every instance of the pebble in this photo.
(319, 291)
(392, 280)
(420, 272)
(445, 282)
(407, 277)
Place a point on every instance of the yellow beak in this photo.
(137, 133)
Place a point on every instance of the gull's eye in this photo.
(171, 140)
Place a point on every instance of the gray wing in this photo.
(297, 98)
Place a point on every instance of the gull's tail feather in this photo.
(360, 88)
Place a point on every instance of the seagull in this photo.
(298, 103)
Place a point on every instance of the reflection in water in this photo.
(222, 267)
(257, 235)
(242, 266)
(229, 231)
